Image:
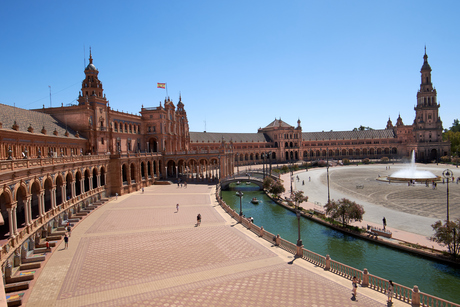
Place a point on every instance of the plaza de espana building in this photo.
(54, 159)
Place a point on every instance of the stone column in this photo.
(41, 203)
(105, 178)
(415, 297)
(29, 209)
(53, 198)
(365, 281)
(328, 263)
(90, 183)
(63, 193)
(72, 188)
(10, 221)
(15, 221)
(26, 212)
(82, 186)
(98, 180)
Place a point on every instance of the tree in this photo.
(277, 188)
(345, 209)
(448, 234)
(268, 181)
(298, 197)
(453, 135)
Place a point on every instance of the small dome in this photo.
(91, 67)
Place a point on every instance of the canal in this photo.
(431, 277)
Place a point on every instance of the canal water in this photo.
(430, 276)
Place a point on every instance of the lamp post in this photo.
(327, 171)
(240, 195)
(448, 175)
(270, 161)
(237, 163)
(297, 212)
(263, 165)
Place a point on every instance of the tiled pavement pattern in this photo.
(419, 200)
(137, 251)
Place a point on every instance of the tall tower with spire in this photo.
(427, 123)
(91, 87)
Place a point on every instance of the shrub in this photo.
(445, 159)
(346, 161)
(385, 160)
(366, 161)
(322, 163)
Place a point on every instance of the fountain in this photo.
(411, 173)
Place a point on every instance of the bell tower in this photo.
(91, 87)
(427, 126)
(427, 123)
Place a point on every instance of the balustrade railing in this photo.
(402, 293)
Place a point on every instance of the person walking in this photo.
(177, 208)
(390, 291)
(198, 220)
(384, 220)
(354, 284)
(66, 241)
(69, 230)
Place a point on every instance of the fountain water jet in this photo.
(411, 173)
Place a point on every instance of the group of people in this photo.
(354, 288)
(180, 183)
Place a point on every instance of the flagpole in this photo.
(166, 85)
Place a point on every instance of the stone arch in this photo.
(78, 183)
(143, 170)
(133, 173)
(94, 178)
(68, 186)
(124, 174)
(35, 191)
(170, 168)
(379, 151)
(153, 145)
(103, 176)
(21, 199)
(59, 184)
(86, 181)
(5, 202)
(48, 186)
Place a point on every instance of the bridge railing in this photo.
(400, 292)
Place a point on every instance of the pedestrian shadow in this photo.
(292, 261)
(61, 249)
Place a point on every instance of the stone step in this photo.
(43, 244)
(14, 299)
(57, 233)
(74, 219)
(33, 258)
(23, 276)
(42, 250)
(81, 214)
(30, 266)
(17, 286)
(53, 238)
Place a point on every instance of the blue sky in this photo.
(239, 65)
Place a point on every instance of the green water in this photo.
(430, 276)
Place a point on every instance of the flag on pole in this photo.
(161, 85)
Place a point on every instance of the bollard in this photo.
(365, 282)
(415, 297)
(261, 233)
(328, 263)
(299, 253)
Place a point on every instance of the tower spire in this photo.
(90, 56)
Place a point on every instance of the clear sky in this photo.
(334, 65)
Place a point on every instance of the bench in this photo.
(360, 186)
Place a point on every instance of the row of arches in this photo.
(24, 202)
(126, 128)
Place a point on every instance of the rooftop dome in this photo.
(91, 67)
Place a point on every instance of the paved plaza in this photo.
(138, 251)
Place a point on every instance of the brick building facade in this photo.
(53, 155)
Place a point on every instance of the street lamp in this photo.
(270, 161)
(237, 163)
(448, 175)
(327, 171)
(297, 212)
(240, 195)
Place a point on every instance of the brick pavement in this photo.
(137, 251)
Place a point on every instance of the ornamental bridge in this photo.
(243, 179)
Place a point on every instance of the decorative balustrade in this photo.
(402, 293)
(9, 248)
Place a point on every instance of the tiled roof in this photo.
(25, 118)
(216, 137)
(277, 122)
(348, 135)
